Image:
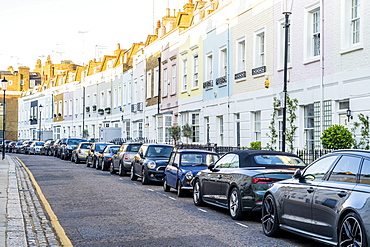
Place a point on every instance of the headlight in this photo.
(189, 175)
(151, 164)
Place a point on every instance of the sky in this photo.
(77, 30)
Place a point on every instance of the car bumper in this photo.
(156, 176)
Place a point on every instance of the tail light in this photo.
(126, 157)
(79, 151)
(257, 180)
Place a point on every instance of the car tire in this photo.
(97, 166)
(87, 162)
(180, 191)
(103, 166)
(166, 188)
(144, 177)
(352, 225)
(77, 160)
(133, 176)
(270, 220)
(121, 171)
(235, 204)
(93, 163)
(111, 169)
(197, 194)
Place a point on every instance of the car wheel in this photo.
(133, 176)
(97, 164)
(166, 188)
(197, 194)
(180, 191)
(77, 160)
(103, 166)
(111, 169)
(121, 171)
(144, 178)
(351, 231)
(235, 204)
(87, 162)
(93, 163)
(270, 221)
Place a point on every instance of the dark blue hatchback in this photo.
(183, 166)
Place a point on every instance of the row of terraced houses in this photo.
(216, 65)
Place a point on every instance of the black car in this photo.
(55, 147)
(95, 151)
(17, 147)
(150, 161)
(67, 146)
(329, 201)
(105, 160)
(11, 147)
(46, 149)
(24, 148)
(239, 179)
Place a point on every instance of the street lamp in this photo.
(286, 7)
(40, 106)
(4, 84)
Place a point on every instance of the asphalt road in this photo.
(96, 208)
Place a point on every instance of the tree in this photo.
(337, 137)
(85, 133)
(175, 132)
(187, 131)
(364, 130)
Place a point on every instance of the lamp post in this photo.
(286, 7)
(4, 84)
(40, 106)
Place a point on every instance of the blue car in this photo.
(183, 166)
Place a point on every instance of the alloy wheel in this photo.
(197, 196)
(351, 232)
(270, 222)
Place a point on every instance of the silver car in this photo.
(121, 161)
(80, 153)
(35, 147)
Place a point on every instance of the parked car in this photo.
(67, 146)
(105, 160)
(55, 147)
(46, 148)
(11, 146)
(35, 147)
(122, 160)
(17, 147)
(239, 179)
(183, 166)
(25, 147)
(94, 152)
(80, 153)
(328, 201)
(7, 142)
(149, 162)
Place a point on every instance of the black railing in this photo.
(308, 156)
(240, 75)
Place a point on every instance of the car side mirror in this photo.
(211, 166)
(298, 175)
(141, 154)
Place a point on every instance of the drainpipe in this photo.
(159, 84)
(322, 65)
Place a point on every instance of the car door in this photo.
(172, 169)
(116, 158)
(332, 193)
(298, 194)
(211, 190)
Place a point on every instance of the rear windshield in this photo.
(133, 147)
(86, 146)
(100, 147)
(39, 143)
(159, 151)
(73, 141)
(267, 159)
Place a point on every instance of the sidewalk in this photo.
(22, 218)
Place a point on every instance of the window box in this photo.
(94, 107)
(100, 111)
(87, 108)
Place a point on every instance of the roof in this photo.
(194, 151)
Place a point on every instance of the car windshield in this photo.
(114, 149)
(198, 159)
(159, 151)
(73, 141)
(133, 147)
(39, 144)
(100, 147)
(269, 159)
(86, 146)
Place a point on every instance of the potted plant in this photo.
(59, 114)
(87, 108)
(94, 107)
(107, 109)
(55, 115)
(101, 111)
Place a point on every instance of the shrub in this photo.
(256, 145)
(337, 137)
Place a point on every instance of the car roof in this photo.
(353, 151)
(194, 151)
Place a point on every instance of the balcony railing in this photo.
(240, 75)
(208, 84)
(259, 70)
(221, 81)
(138, 107)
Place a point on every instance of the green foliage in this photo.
(273, 133)
(292, 105)
(187, 131)
(85, 133)
(256, 145)
(175, 132)
(337, 137)
(364, 130)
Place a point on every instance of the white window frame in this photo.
(259, 58)
(209, 67)
(149, 84)
(241, 55)
(195, 71)
(155, 82)
(184, 83)
(70, 107)
(174, 79)
(311, 34)
(348, 25)
(165, 82)
(257, 126)
(223, 61)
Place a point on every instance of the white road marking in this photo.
(173, 198)
(204, 211)
(150, 190)
(240, 224)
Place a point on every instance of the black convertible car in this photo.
(239, 179)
